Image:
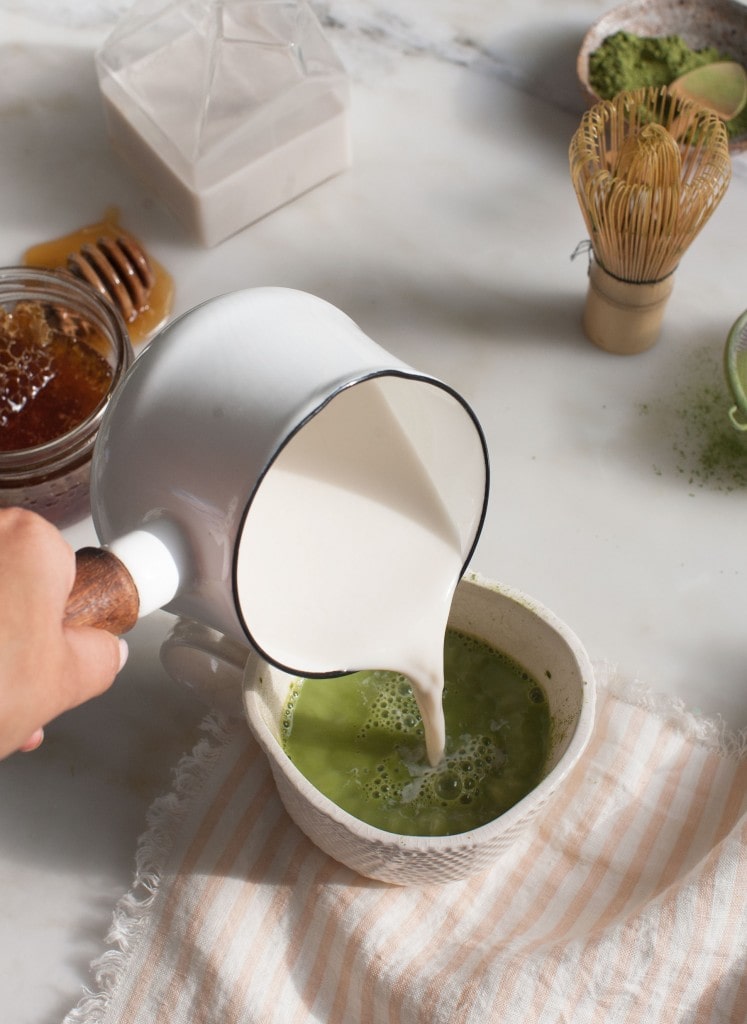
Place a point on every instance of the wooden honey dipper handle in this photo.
(104, 593)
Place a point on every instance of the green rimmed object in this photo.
(735, 364)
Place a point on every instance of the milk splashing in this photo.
(349, 558)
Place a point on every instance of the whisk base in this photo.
(623, 317)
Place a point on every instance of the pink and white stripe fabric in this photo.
(625, 903)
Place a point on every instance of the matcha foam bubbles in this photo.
(359, 739)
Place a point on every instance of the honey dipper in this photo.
(111, 261)
(119, 270)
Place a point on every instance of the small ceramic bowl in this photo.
(516, 625)
(701, 23)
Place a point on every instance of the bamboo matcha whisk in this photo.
(648, 169)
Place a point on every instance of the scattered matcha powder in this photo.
(707, 452)
(626, 61)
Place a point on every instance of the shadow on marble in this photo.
(725, 661)
(55, 143)
(84, 945)
(445, 312)
(538, 63)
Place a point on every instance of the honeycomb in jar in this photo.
(52, 376)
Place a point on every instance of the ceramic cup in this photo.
(199, 430)
(510, 621)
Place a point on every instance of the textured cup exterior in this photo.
(521, 628)
(398, 859)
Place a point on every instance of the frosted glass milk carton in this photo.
(226, 110)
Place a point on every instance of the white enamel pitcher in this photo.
(200, 486)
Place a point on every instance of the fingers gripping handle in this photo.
(116, 586)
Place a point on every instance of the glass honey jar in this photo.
(63, 351)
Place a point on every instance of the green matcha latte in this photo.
(359, 739)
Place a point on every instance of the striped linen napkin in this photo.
(625, 903)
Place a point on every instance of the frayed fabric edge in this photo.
(167, 812)
(130, 917)
(712, 733)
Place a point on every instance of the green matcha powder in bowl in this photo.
(653, 42)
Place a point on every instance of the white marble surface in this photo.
(449, 241)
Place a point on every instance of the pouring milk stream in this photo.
(297, 486)
(372, 515)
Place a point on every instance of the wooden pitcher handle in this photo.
(103, 594)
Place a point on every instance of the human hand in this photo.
(46, 667)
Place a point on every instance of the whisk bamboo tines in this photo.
(648, 170)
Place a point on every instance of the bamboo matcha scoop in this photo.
(720, 87)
